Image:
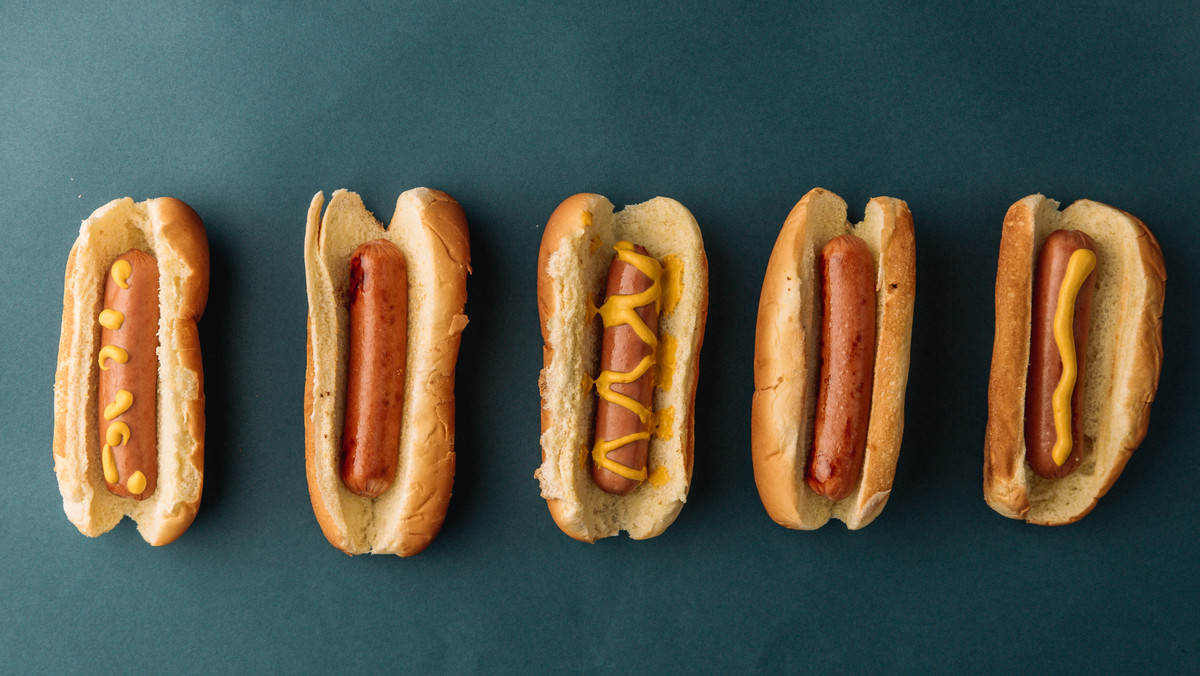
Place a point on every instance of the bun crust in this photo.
(1124, 358)
(430, 229)
(170, 231)
(787, 359)
(572, 267)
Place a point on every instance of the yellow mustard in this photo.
(608, 378)
(666, 360)
(111, 319)
(120, 273)
(664, 421)
(659, 476)
(117, 434)
(110, 465)
(622, 309)
(1080, 265)
(120, 404)
(117, 354)
(672, 283)
(136, 483)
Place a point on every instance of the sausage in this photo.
(128, 382)
(375, 382)
(1045, 361)
(847, 367)
(624, 354)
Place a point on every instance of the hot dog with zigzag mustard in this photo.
(622, 299)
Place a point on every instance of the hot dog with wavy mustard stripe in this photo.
(1076, 357)
(129, 388)
(619, 377)
(831, 361)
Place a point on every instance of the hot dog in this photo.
(383, 334)
(1046, 370)
(1048, 462)
(589, 350)
(128, 375)
(831, 357)
(626, 382)
(847, 364)
(375, 387)
(129, 388)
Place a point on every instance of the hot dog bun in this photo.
(787, 363)
(573, 262)
(173, 234)
(1124, 357)
(429, 227)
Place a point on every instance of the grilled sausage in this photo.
(847, 367)
(378, 351)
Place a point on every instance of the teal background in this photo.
(736, 110)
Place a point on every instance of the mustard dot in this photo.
(120, 273)
(111, 319)
(136, 483)
(659, 476)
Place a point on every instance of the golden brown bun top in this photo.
(1124, 358)
(184, 232)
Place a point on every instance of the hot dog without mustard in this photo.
(384, 325)
(129, 390)
(1066, 406)
(831, 361)
(618, 392)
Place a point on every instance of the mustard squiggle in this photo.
(622, 309)
(1079, 266)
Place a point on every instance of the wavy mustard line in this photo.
(1080, 265)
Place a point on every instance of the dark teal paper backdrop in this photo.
(735, 110)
